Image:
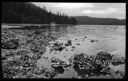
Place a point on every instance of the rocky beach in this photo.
(81, 51)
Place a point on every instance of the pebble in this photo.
(78, 44)
(94, 40)
(85, 37)
(66, 50)
(72, 50)
(73, 46)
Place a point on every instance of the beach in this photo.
(62, 44)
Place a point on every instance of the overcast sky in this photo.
(104, 10)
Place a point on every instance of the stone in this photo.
(11, 44)
(103, 59)
(118, 60)
(78, 44)
(94, 40)
(92, 65)
(69, 43)
(73, 46)
(85, 37)
(59, 70)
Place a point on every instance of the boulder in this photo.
(59, 70)
(92, 65)
(103, 59)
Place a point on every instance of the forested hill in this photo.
(99, 21)
(20, 12)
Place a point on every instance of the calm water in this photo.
(111, 37)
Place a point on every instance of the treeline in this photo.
(85, 20)
(25, 12)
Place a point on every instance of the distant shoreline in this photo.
(10, 25)
(22, 25)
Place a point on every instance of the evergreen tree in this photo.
(21, 12)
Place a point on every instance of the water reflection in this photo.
(60, 31)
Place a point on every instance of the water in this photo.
(111, 37)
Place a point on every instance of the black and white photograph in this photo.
(63, 40)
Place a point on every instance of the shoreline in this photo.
(61, 50)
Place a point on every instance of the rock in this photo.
(59, 70)
(122, 74)
(60, 48)
(85, 37)
(73, 46)
(118, 60)
(78, 44)
(102, 60)
(11, 44)
(72, 50)
(94, 40)
(66, 44)
(82, 39)
(38, 48)
(57, 46)
(57, 62)
(106, 71)
(79, 57)
(38, 32)
(53, 38)
(83, 64)
(92, 65)
(54, 60)
(50, 74)
(66, 50)
(69, 43)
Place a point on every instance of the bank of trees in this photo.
(25, 12)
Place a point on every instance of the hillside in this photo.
(25, 12)
(99, 21)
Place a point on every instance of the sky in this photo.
(102, 10)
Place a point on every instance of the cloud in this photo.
(73, 5)
(111, 10)
(104, 11)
